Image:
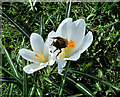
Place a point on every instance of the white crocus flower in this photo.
(39, 56)
(78, 42)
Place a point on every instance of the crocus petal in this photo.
(74, 57)
(78, 35)
(48, 42)
(37, 43)
(51, 62)
(34, 67)
(52, 34)
(28, 55)
(86, 41)
(63, 28)
(61, 65)
(46, 48)
(75, 53)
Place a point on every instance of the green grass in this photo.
(97, 72)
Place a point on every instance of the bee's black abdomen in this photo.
(59, 43)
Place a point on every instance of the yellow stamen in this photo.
(70, 45)
(62, 54)
(41, 57)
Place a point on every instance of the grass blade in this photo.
(10, 89)
(40, 27)
(31, 92)
(39, 92)
(110, 7)
(10, 62)
(11, 74)
(81, 87)
(34, 88)
(16, 25)
(9, 80)
(24, 81)
(57, 86)
(34, 2)
(63, 80)
(18, 58)
(31, 4)
(96, 78)
(50, 16)
(77, 95)
(68, 9)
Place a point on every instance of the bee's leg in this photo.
(58, 53)
(55, 50)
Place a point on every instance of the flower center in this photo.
(41, 57)
(70, 45)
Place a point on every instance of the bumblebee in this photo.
(59, 43)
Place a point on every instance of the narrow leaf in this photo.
(57, 86)
(30, 1)
(39, 92)
(31, 92)
(18, 58)
(41, 25)
(96, 78)
(76, 95)
(11, 90)
(16, 25)
(24, 80)
(81, 87)
(9, 80)
(63, 80)
(68, 9)
(10, 62)
(11, 74)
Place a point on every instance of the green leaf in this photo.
(76, 95)
(10, 62)
(31, 4)
(50, 16)
(108, 91)
(100, 74)
(39, 92)
(57, 86)
(110, 7)
(68, 9)
(12, 75)
(10, 89)
(81, 87)
(31, 92)
(41, 26)
(96, 78)
(18, 57)
(16, 25)
(9, 80)
(25, 89)
(91, 15)
(63, 80)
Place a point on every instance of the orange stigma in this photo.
(71, 43)
(36, 55)
(41, 57)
